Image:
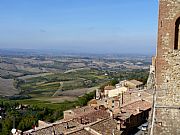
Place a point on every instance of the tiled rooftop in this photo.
(134, 109)
(82, 110)
(97, 120)
(57, 127)
(109, 87)
(80, 132)
(92, 117)
(93, 101)
(65, 126)
(106, 127)
(140, 104)
(136, 82)
(132, 96)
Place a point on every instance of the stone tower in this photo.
(167, 112)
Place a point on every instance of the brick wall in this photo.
(167, 70)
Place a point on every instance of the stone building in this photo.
(132, 84)
(115, 92)
(151, 78)
(78, 121)
(133, 115)
(167, 97)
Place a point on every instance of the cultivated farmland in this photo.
(7, 88)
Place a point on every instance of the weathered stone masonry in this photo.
(167, 115)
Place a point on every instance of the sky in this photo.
(80, 26)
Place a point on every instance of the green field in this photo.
(50, 86)
(36, 110)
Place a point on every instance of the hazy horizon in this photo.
(80, 26)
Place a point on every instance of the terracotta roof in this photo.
(136, 82)
(84, 117)
(141, 104)
(133, 95)
(93, 101)
(135, 108)
(92, 117)
(58, 127)
(80, 132)
(106, 127)
(83, 110)
(109, 87)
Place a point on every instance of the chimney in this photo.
(118, 125)
(138, 109)
(110, 112)
(67, 125)
(113, 133)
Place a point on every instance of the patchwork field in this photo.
(56, 79)
(7, 88)
(58, 87)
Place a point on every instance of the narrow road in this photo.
(59, 90)
(140, 131)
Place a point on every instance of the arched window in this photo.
(177, 35)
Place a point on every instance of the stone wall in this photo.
(169, 93)
(167, 122)
(169, 11)
(151, 78)
(167, 71)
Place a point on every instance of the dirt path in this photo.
(59, 90)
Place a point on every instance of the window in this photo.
(177, 35)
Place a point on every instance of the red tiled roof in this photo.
(106, 127)
(92, 116)
(136, 107)
(141, 104)
(133, 109)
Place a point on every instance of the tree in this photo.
(114, 82)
